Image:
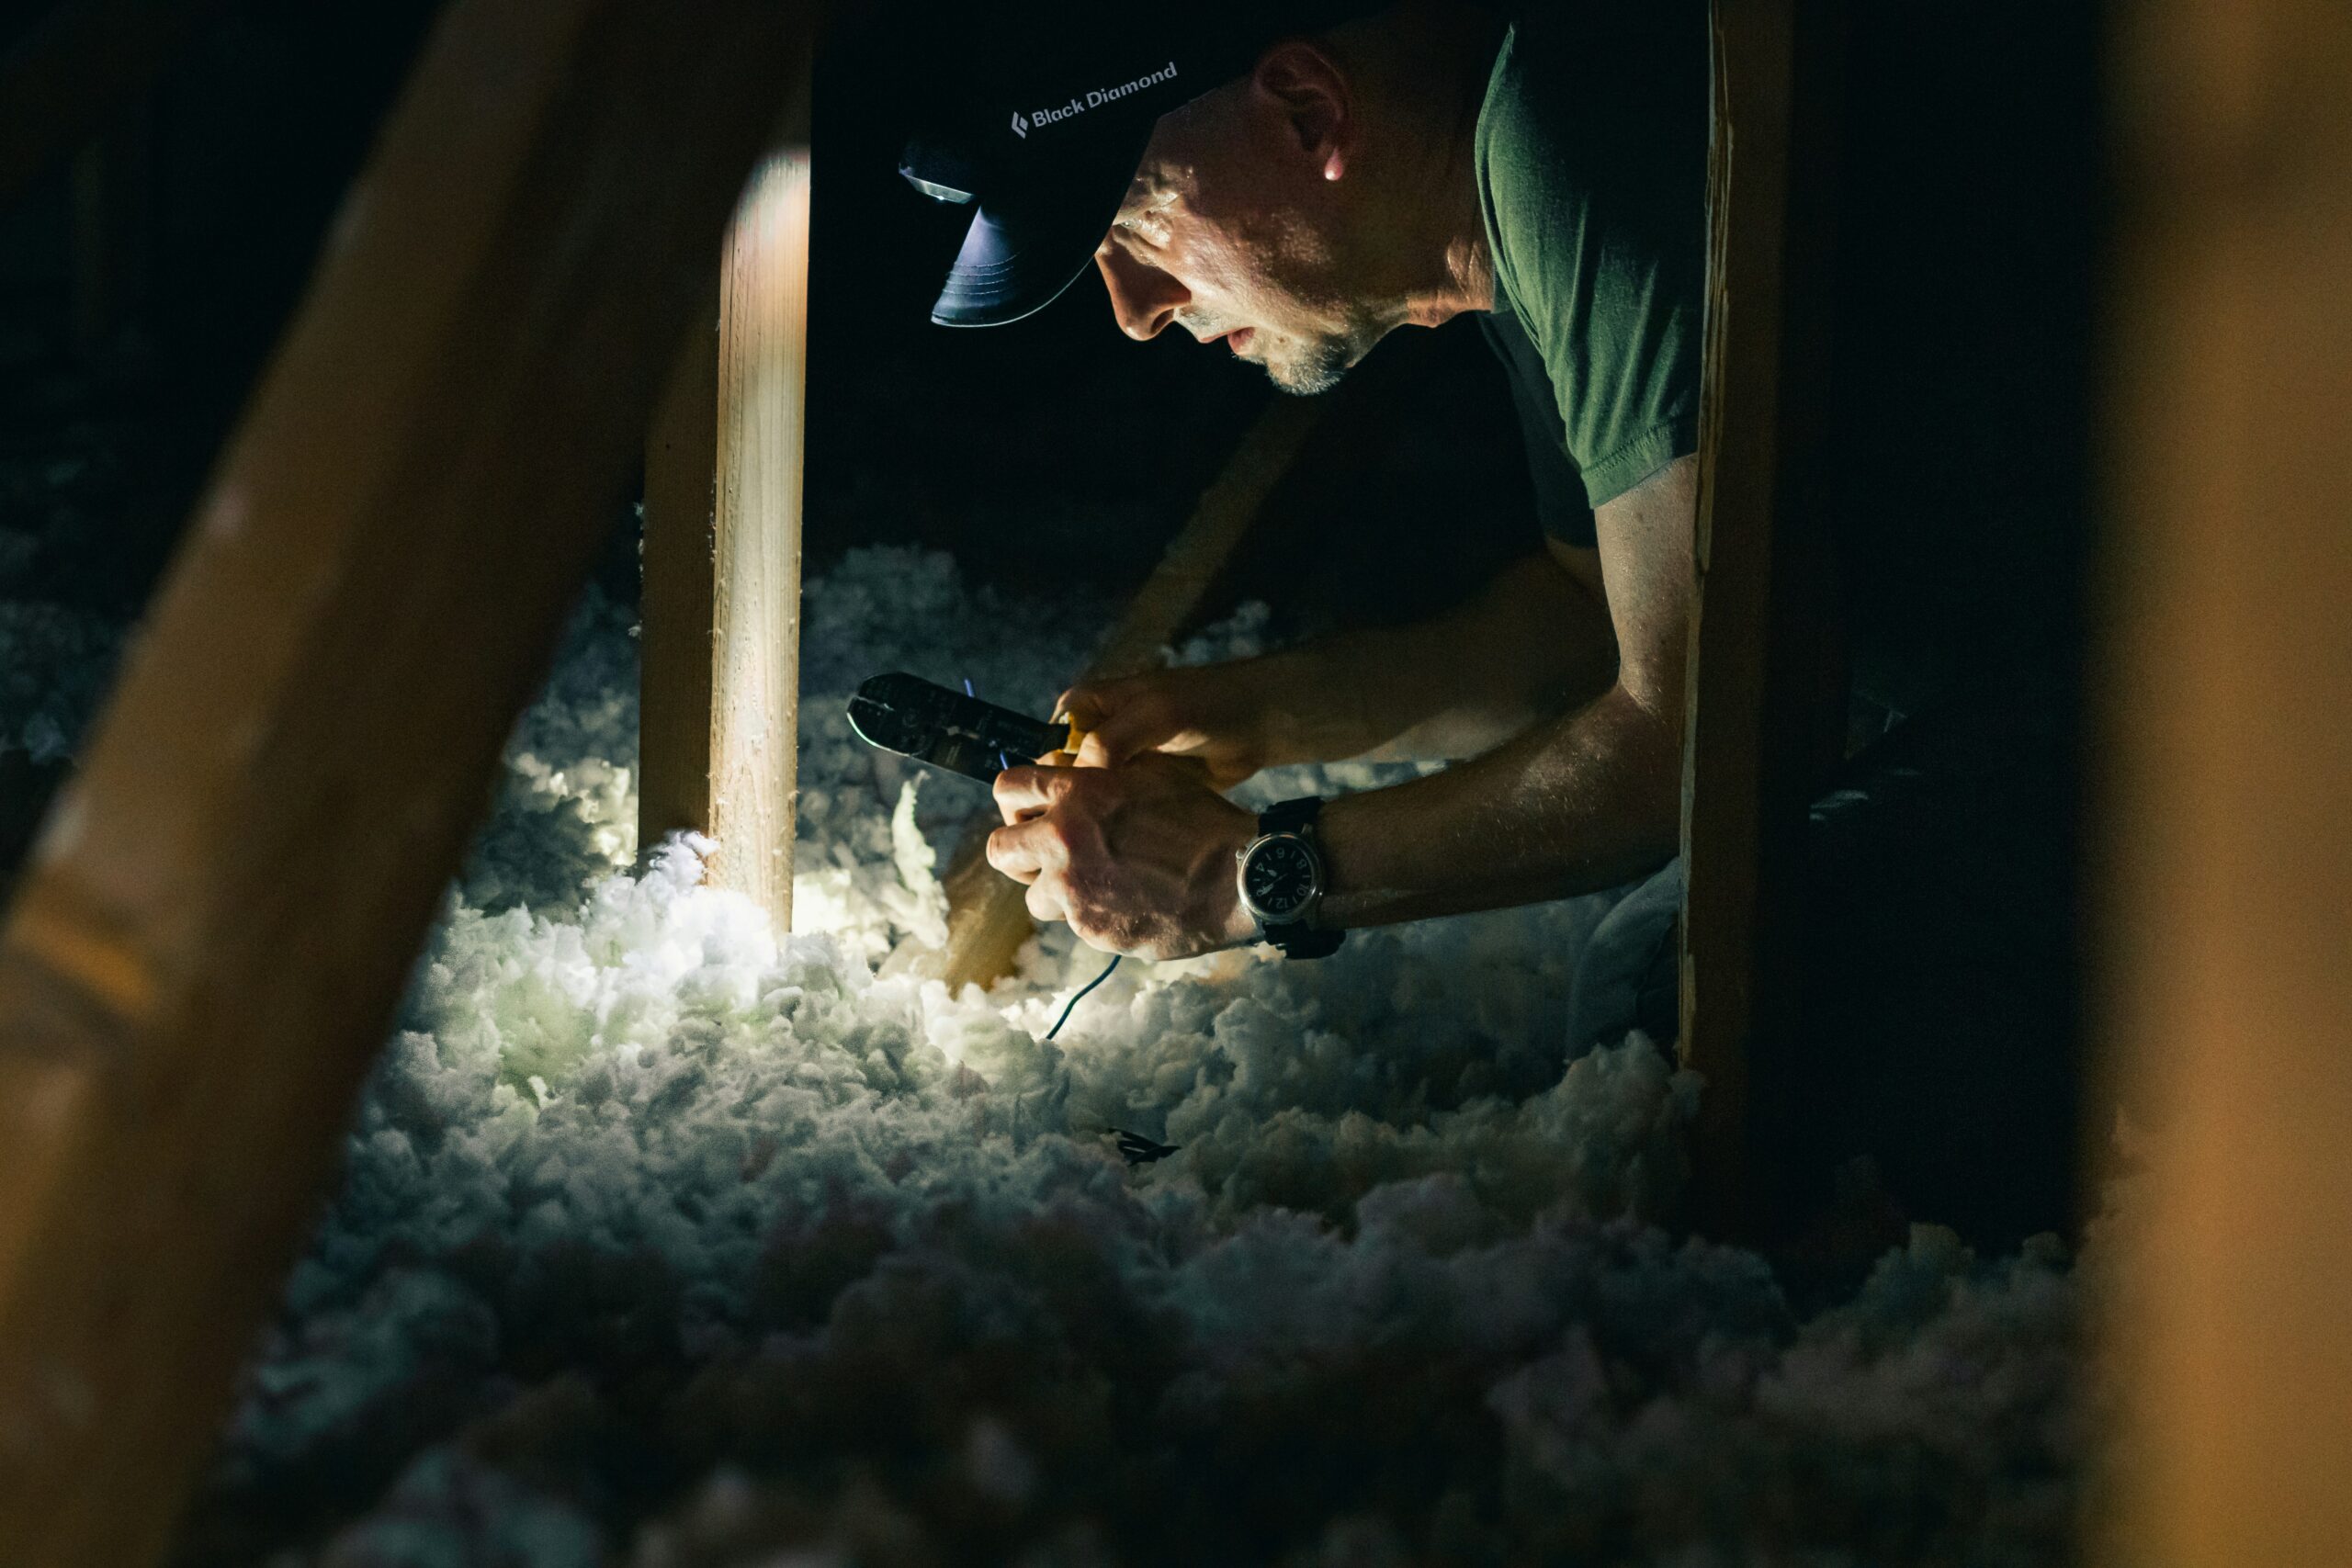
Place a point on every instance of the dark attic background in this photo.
(146, 280)
(142, 284)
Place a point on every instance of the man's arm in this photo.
(1140, 858)
(1576, 802)
(1534, 642)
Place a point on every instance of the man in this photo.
(1403, 169)
(1297, 187)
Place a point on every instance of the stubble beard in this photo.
(1315, 362)
(1314, 370)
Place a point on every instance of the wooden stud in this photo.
(1757, 713)
(203, 956)
(720, 620)
(986, 920)
(2223, 868)
(755, 591)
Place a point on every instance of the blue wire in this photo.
(1002, 763)
(1056, 1029)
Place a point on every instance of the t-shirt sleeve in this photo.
(1560, 506)
(1593, 150)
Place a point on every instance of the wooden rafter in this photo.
(206, 950)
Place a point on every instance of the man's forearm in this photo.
(1137, 855)
(1531, 645)
(1575, 804)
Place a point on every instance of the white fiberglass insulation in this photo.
(665, 1240)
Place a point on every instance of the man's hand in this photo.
(1216, 713)
(1139, 859)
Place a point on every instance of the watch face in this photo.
(1279, 879)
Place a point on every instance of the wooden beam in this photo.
(720, 621)
(204, 954)
(2225, 870)
(755, 591)
(1757, 713)
(986, 920)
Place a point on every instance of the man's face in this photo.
(1236, 243)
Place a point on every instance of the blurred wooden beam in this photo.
(2226, 823)
(206, 950)
(986, 920)
(1758, 709)
(75, 69)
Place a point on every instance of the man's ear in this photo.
(1299, 81)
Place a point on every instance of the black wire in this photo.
(1056, 1029)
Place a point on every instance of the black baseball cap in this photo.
(1051, 105)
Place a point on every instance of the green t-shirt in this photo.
(1591, 160)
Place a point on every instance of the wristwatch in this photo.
(1282, 878)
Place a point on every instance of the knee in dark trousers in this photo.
(1626, 977)
(1936, 1025)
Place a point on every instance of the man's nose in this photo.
(1143, 298)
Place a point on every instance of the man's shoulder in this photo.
(1591, 160)
(1597, 96)
(1590, 103)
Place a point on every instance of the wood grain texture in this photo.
(682, 643)
(203, 955)
(987, 920)
(755, 531)
(2224, 877)
(1757, 709)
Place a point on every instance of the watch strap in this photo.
(1291, 816)
(1296, 939)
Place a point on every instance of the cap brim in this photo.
(1021, 253)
